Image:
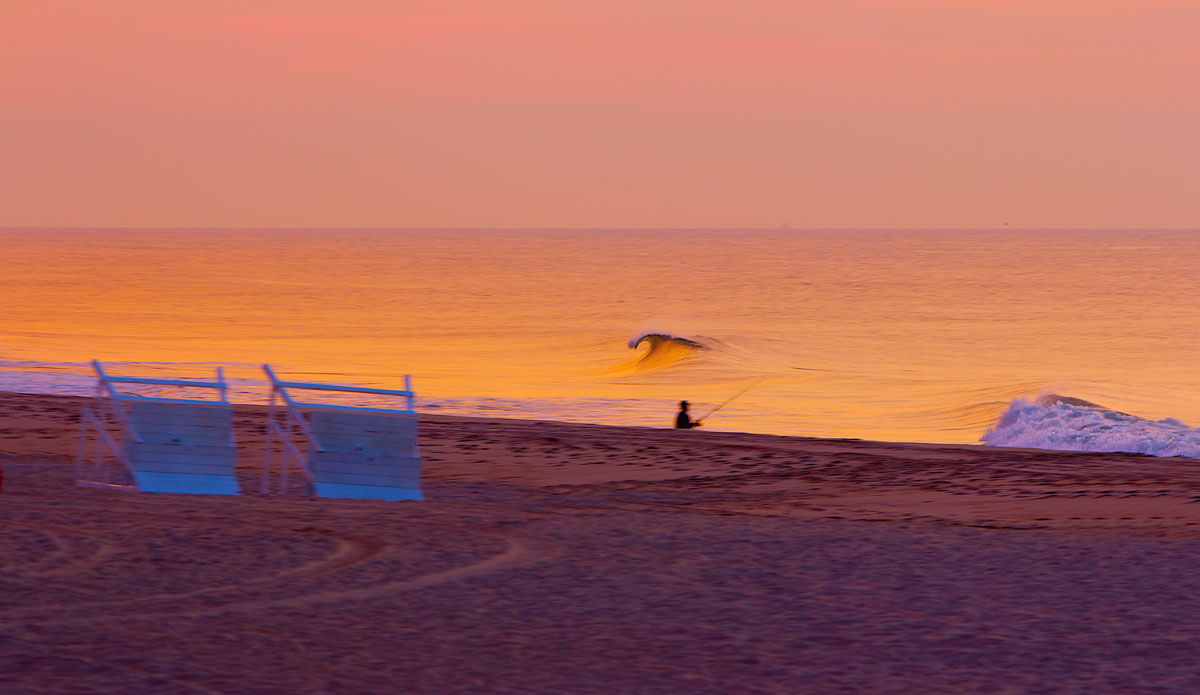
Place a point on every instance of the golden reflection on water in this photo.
(882, 335)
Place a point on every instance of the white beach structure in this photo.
(157, 444)
(344, 451)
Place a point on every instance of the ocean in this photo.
(901, 335)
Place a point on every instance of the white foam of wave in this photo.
(1078, 428)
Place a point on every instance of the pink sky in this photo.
(814, 113)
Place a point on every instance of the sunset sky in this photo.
(503, 113)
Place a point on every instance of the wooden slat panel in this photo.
(161, 466)
(175, 409)
(364, 457)
(149, 449)
(215, 439)
(342, 491)
(186, 465)
(401, 435)
(155, 456)
(184, 434)
(363, 421)
(350, 443)
(195, 418)
(394, 467)
(223, 468)
(376, 480)
(403, 429)
(188, 484)
(183, 426)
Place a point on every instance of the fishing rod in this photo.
(729, 400)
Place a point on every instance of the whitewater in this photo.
(1057, 425)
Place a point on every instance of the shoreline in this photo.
(249, 409)
(973, 484)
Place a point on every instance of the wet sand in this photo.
(562, 558)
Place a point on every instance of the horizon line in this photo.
(780, 228)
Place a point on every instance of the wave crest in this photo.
(662, 351)
(1072, 424)
(659, 340)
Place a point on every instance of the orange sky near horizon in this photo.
(540, 113)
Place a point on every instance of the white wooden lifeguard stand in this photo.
(350, 451)
(180, 445)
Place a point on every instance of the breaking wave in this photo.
(662, 351)
(1073, 424)
(657, 341)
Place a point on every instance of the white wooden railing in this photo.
(295, 418)
(108, 411)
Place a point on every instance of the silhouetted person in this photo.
(683, 421)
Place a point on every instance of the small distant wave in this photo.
(662, 351)
(1073, 424)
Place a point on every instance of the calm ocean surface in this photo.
(894, 335)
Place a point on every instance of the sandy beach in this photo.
(564, 558)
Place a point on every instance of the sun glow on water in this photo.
(918, 336)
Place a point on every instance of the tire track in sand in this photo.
(523, 550)
(66, 558)
(350, 550)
